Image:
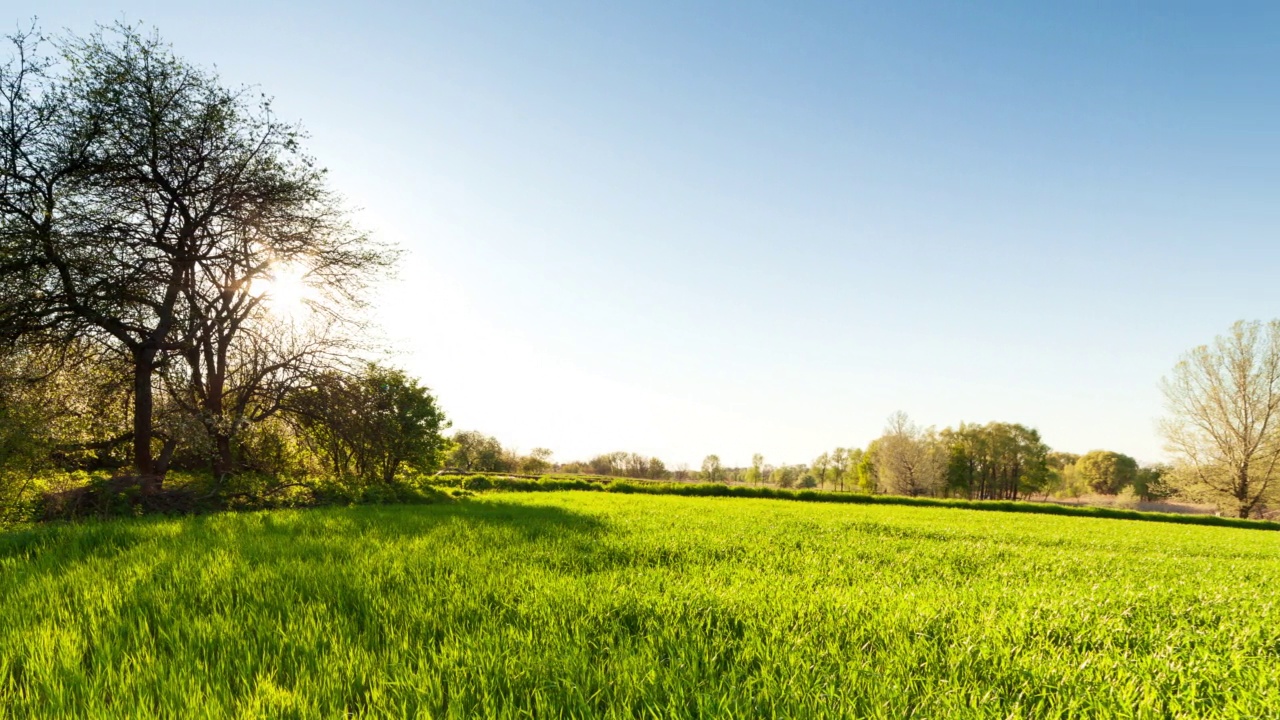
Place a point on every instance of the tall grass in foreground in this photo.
(615, 605)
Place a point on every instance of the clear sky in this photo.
(688, 228)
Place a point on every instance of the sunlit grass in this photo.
(608, 605)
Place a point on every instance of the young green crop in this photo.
(611, 605)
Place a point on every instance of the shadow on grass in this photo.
(335, 534)
(532, 522)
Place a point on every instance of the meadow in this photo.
(576, 604)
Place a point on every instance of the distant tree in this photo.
(1063, 477)
(995, 461)
(1223, 421)
(966, 449)
(607, 463)
(638, 466)
(536, 462)
(755, 473)
(868, 480)
(657, 469)
(476, 452)
(627, 464)
(910, 461)
(1153, 483)
(1107, 472)
(1059, 460)
(712, 471)
(839, 469)
(785, 476)
(820, 470)
(1066, 481)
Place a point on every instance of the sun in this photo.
(286, 292)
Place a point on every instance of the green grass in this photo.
(599, 483)
(579, 604)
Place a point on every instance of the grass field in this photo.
(612, 605)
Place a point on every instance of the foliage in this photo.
(712, 470)
(476, 452)
(370, 426)
(592, 605)
(785, 476)
(1223, 420)
(143, 204)
(755, 474)
(626, 464)
(537, 461)
(1154, 483)
(910, 460)
(1107, 472)
(995, 461)
(54, 406)
(23, 449)
(866, 468)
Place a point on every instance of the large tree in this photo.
(1223, 421)
(140, 199)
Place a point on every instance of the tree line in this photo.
(1221, 426)
(995, 461)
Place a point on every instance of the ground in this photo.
(582, 604)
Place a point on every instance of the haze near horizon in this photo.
(762, 228)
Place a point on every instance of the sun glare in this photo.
(287, 293)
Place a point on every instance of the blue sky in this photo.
(686, 228)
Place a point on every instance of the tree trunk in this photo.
(1242, 491)
(161, 466)
(222, 459)
(143, 410)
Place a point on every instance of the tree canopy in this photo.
(1223, 416)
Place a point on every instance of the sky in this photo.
(682, 228)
